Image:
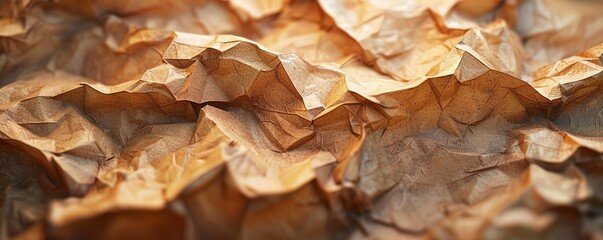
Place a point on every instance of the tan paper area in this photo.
(300, 119)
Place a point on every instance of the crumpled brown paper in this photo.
(300, 119)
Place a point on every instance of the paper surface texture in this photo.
(301, 119)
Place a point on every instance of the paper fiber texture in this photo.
(301, 119)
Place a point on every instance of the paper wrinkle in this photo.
(266, 119)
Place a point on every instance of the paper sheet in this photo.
(301, 119)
